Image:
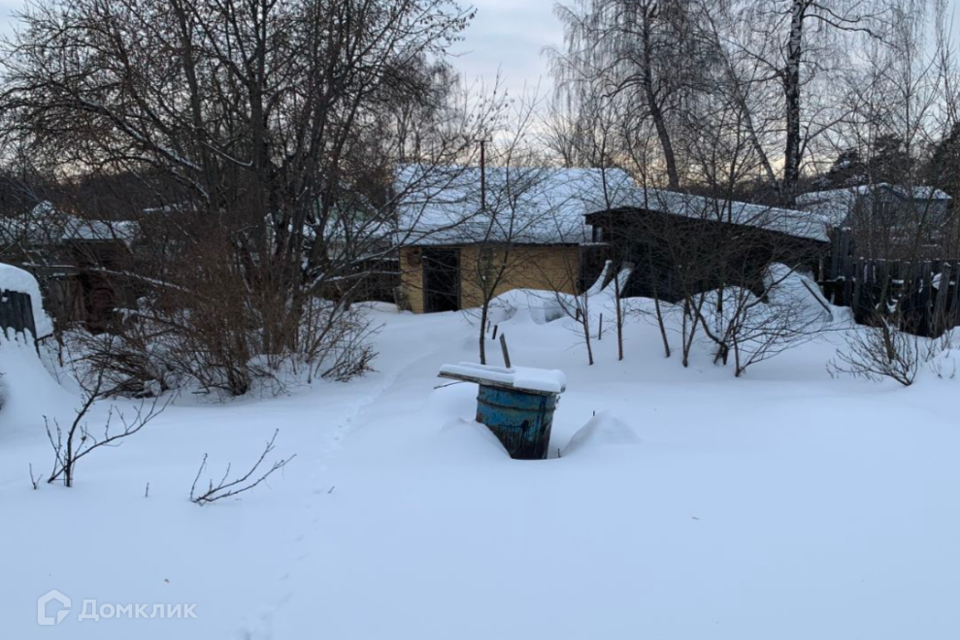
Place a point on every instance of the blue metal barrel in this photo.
(520, 419)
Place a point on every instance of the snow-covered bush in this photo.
(221, 353)
(753, 328)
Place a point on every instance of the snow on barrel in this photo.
(515, 403)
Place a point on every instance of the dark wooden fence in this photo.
(16, 312)
(924, 293)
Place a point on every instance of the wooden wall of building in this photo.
(543, 267)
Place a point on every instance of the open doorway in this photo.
(441, 280)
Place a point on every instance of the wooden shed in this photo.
(678, 241)
(448, 277)
(73, 259)
(526, 224)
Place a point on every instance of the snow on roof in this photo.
(801, 224)
(46, 225)
(835, 204)
(15, 279)
(535, 205)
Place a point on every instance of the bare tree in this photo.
(269, 135)
(645, 57)
(901, 103)
(800, 43)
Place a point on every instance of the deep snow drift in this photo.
(677, 503)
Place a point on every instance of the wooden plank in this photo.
(847, 292)
(858, 287)
(923, 297)
(940, 305)
(834, 268)
(885, 284)
(506, 352)
(955, 299)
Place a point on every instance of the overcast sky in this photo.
(511, 35)
(507, 35)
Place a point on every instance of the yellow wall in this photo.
(549, 267)
(411, 279)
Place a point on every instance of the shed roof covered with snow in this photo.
(522, 205)
(835, 205)
(800, 224)
(46, 225)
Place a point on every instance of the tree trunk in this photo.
(663, 134)
(791, 90)
(584, 311)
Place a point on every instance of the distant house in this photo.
(452, 220)
(676, 240)
(885, 220)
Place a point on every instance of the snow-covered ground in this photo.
(690, 505)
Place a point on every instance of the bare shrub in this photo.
(336, 346)
(878, 352)
(77, 441)
(156, 351)
(226, 488)
(577, 306)
(127, 361)
(885, 349)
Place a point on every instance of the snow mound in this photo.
(603, 430)
(517, 305)
(27, 390)
(790, 288)
(383, 307)
(15, 279)
(469, 440)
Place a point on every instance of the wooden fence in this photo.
(16, 312)
(924, 293)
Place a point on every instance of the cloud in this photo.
(509, 36)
